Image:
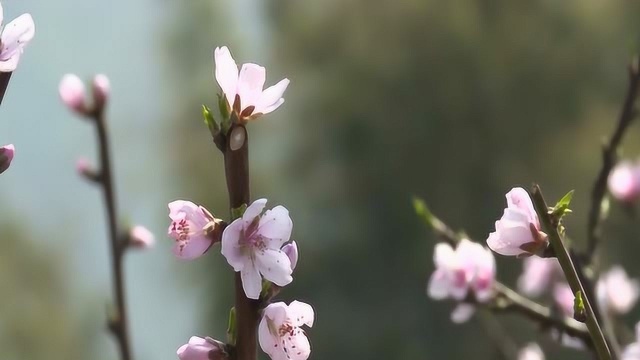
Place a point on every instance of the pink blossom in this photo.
(140, 237)
(201, 349)
(462, 313)
(291, 249)
(72, 93)
(247, 86)
(7, 153)
(538, 274)
(279, 333)
(15, 36)
(632, 351)
(564, 298)
(101, 90)
(252, 245)
(518, 231)
(616, 292)
(190, 226)
(624, 181)
(531, 352)
(470, 267)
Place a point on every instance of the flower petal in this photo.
(250, 83)
(253, 211)
(193, 248)
(16, 35)
(251, 281)
(268, 342)
(230, 248)
(444, 256)
(276, 225)
(298, 347)
(271, 98)
(301, 314)
(226, 73)
(462, 313)
(531, 352)
(275, 266)
(438, 286)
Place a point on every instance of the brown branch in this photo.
(4, 84)
(236, 165)
(609, 157)
(118, 322)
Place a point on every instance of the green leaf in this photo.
(562, 207)
(579, 312)
(423, 211)
(231, 328)
(225, 113)
(209, 120)
(237, 213)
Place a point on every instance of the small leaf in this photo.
(209, 120)
(231, 328)
(579, 313)
(237, 213)
(423, 211)
(562, 207)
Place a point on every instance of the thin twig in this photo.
(506, 347)
(118, 323)
(609, 157)
(599, 341)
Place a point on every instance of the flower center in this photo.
(181, 228)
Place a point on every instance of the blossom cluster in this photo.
(257, 244)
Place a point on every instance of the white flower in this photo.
(15, 36)
(279, 333)
(246, 86)
(252, 245)
(518, 231)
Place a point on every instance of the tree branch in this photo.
(599, 341)
(236, 164)
(512, 301)
(4, 84)
(609, 157)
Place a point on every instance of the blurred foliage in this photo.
(36, 321)
(452, 101)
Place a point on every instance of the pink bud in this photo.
(140, 237)
(84, 168)
(291, 250)
(624, 182)
(202, 349)
(101, 90)
(72, 93)
(6, 156)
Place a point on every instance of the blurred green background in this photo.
(453, 101)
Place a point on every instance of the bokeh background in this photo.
(453, 101)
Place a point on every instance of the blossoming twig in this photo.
(236, 164)
(4, 83)
(512, 301)
(609, 151)
(569, 270)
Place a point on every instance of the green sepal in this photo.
(231, 328)
(225, 113)
(562, 207)
(210, 121)
(579, 313)
(237, 213)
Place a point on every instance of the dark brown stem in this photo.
(609, 157)
(118, 323)
(236, 165)
(4, 84)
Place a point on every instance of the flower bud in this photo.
(202, 349)
(291, 250)
(624, 182)
(6, 156)
(141, 238)
(84, 168)
(72, 93)
(101, 90)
